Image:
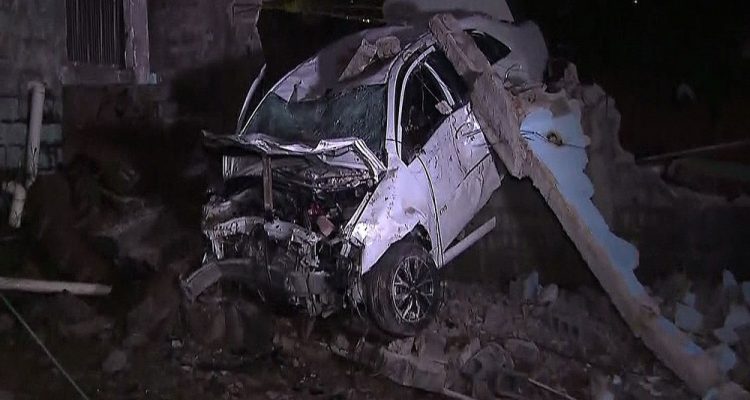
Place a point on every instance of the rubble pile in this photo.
(715, 315)
(490, 344)
(531, 340)
(527, 341)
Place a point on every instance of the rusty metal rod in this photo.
(692, 152)
(44, 348)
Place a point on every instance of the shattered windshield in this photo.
(358, 112)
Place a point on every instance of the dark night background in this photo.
(125, 173)
(639, 50)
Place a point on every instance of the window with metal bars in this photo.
(95, 32)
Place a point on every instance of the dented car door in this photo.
(428, 142)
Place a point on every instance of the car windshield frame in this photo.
(357, 112)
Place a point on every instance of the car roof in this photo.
(321, 73)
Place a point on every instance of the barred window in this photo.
(95, 32)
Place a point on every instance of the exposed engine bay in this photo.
(279, 224)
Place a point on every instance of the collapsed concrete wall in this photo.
(673, 227)
(553, 167)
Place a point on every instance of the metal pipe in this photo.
(469, 240)
(267, 186)
(35, 131)
(249, 97)
(33, 139)
(38, 286)
(19, 199)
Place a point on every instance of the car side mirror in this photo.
(443, 108)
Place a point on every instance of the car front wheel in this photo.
(403, 290)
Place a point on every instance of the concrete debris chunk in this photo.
(431, 346)
(469, 351)
(724, 356)
(674, 288)
(689, 299)
(525, 290)
(115, 362)
(406, 370)
(402, 346)
(495, 319)
(599, 386)
(485, 368)
(726, 391)
(388, 47)
(726, 335)
(737, 317)
(548, 295)
(525, 353)
(367, 53)
(688, 318)
(413, 372)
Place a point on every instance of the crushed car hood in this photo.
(350, 153)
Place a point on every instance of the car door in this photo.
(481, 178)
(454, 154)
(430, 118)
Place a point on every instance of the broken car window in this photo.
(439, 62)
(420, 113)
(493, 49)
(358, 112)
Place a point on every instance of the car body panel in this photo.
(401, 201)
(348, 153)
(438, 191)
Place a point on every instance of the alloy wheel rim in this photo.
(413, 289)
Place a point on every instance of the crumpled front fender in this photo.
(401, 201)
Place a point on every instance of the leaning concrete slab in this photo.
(538, 135)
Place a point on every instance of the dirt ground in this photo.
(128, 222)
(578, 345)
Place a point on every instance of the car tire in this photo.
(403, 290)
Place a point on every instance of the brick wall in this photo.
(32, 44)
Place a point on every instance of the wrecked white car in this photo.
(351, 183)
